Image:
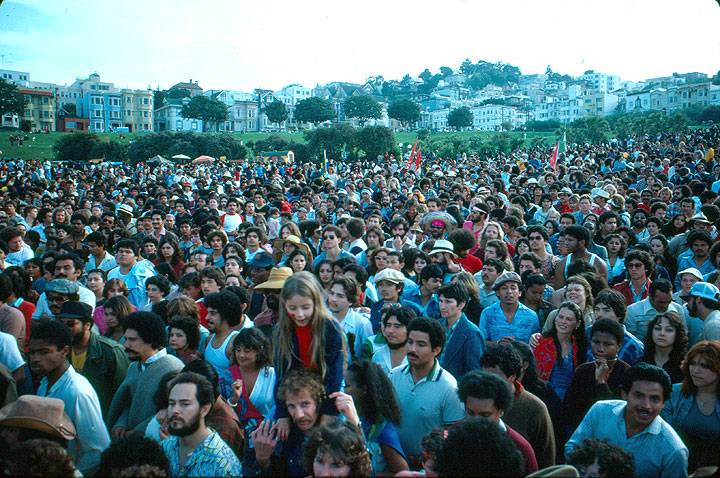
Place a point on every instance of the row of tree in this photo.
(314, 110)
(363, 108)
(341, 142)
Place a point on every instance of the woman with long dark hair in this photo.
(379, 412)
(562, 348)
(666, 342)
(169, 251)
(253, 380)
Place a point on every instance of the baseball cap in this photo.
(704, 290)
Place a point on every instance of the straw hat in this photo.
(278, 245)
(276, 279)
(43, 414)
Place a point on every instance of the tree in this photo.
(363, 107)
(159, 97)
(11, 100)
(276, 112)
(588, 130)
(109, 150)
(425, 75)
(460, 118)
(331, 140)
(75, 146)
(374, 141)
(314, 110)
(177, 93)
(467, 67)
(405, 111)
(208, 110)
(446, 71)
(427, 87)
(711, 114)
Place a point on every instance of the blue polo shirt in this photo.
(494, 325)
(658, 450)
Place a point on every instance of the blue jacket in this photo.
(678, 406)
(333, 369)
(463, 353)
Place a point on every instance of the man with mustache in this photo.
(427, 393)
(302, 393)
(634, 424)
(69, 267)
(193, 449)
(704, 302)
(133, 406)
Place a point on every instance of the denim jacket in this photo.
(677, 408)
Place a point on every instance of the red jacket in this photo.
(626, 291)
(546, 356)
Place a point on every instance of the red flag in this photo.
(411, 159)
(418, 160)
(554, 157)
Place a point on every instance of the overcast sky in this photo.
(247, 44)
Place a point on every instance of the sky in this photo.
(248, 44)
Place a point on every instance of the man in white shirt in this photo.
(19, 251)
(341, 297)
(49, 350)
(231, 220)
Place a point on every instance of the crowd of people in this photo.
(478, 316)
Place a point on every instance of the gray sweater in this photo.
(133, 406)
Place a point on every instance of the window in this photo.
(194, 125)
(145, 101)
(96, 114)
(129, 113)
(178, 124)
(145, 114)
(98, 125)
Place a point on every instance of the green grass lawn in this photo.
(42, 147)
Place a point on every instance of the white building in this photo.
(21, 79)
(290, 96)
(565, 110)
(434, 120)
(169, 118)
(492, 117)
(601, 81)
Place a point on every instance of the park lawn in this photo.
(42, 147)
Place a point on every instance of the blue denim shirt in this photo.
(494, 325)
(658, 450)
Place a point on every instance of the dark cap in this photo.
(262, 260)
(75, 310)
(62, 286)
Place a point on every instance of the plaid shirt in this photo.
(213, 457)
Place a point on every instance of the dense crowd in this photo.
(471, 316)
